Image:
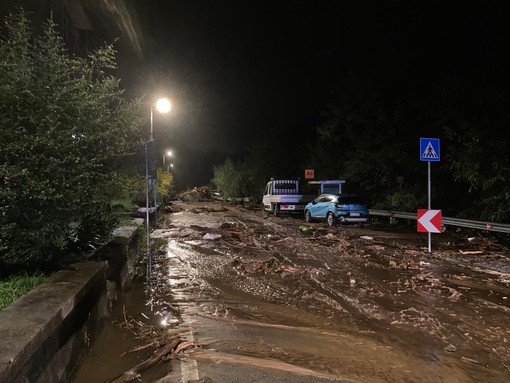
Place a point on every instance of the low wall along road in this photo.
(44, 332)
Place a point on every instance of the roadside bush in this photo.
(131, 188)
(17, 286)
(232, 180)
(404, 200)
(164, 185)
(63, 123)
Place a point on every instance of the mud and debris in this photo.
(197, 194)
(157, 344)
(328, 300)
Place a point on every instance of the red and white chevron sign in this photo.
(429, 221)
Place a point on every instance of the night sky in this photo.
(245, 71)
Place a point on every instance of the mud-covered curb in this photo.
(45, 333)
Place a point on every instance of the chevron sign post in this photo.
(429, 221)
(430, 152)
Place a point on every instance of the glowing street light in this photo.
(169, 153)
(163, 105)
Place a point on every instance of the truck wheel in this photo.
(308, 216)
(275, 210)
(331, 219)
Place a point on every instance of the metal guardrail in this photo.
(478, 225)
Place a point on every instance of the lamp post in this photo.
(169, 154)
(163, 105)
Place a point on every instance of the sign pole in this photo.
(429, 193)
(429, 220)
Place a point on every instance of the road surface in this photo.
(271, 299)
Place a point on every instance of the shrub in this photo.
(63, 123)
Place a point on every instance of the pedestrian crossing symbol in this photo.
(429, 149)
(429, 152)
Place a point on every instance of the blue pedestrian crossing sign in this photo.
(429, 150)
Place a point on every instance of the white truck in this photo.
(284, 196)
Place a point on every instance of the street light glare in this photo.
(163, 105)
(169, 153)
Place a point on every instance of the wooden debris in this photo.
(196, 194)
(184, 345)
(470, 252)
(155, 343)
(134, 373)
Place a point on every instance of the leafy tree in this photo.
(232, 179)
(63, 123)
(164, 184)
(363, 139)
(478, 159)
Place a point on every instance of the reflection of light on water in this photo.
(172, 282)
(167, 320)
(171, 249)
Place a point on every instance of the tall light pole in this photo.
(169, 154)
(163, 105)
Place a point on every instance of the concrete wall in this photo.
(44, 334)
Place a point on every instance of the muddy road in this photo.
(259, 298)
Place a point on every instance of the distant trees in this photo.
(232, 179)
(370, 137)
(478, 157)
(364, 140)
(63, 123)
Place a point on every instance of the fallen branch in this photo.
(470, 252)
(184, 345)
(154, 343)
(134, 373)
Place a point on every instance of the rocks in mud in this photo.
(211, 236)
(227, 226)
(450, 348)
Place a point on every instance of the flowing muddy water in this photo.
(264, 302)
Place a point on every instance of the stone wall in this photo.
(45, 333)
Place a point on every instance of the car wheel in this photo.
(331, 220)
(308, 216)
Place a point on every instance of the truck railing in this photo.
(460, 222)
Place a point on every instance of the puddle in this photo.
(104, 361)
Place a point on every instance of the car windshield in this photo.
(350, 200)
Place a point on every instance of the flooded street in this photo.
(257, 298)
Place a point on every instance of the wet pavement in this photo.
(257, 298)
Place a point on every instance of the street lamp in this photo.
(169, 154)
(163, 105)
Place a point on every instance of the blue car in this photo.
(334, 208)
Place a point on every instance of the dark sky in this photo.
(243, 71)
(237, 72)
